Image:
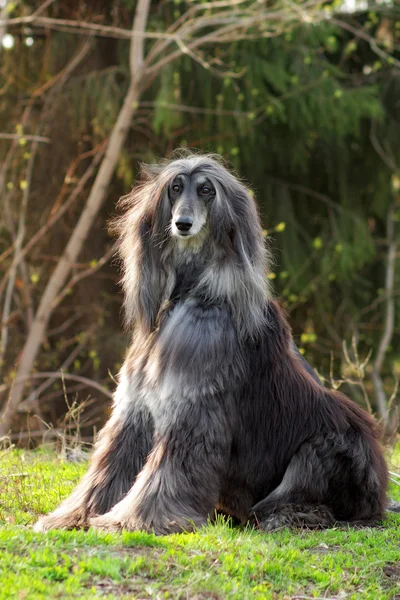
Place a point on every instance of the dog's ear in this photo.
(235, 223)
(143, 231)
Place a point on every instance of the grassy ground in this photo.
(217, 562)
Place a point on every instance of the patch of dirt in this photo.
(120, 589)
(142, 589)
(392, 571)
(324, 549)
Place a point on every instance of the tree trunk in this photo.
(94, 203)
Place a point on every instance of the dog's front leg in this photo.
(180, 482)
(119, 455)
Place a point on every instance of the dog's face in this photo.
(191, 196)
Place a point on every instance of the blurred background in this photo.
(302, 98)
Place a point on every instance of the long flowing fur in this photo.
(215, 408)
(236, 260)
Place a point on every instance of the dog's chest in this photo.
(188, 269)
(186, 280)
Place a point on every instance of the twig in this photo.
(387, 159)
(60, 212)
(359, 367)
(7, 252)
(42, 8)
(196, 110)
(360, 33)
(60, 78)
(227, 29)
(17, 258)
(29, 138)
(74, 26)
(84, 274)
(56, 375)
(33, 397)
(56, 394)
(64, 326)
(57, 433)
(18, 261)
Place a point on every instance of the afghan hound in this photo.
(216, 410)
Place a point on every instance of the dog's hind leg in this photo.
(298, 499)
(329, 479)
(309, 516)
(120, 453)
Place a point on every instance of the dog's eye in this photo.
(205, 191)
(176, 188)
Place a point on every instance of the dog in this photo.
(215, 409)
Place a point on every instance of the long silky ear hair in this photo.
(143, 232)
(236, 272)
(241, 267)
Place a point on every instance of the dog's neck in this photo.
(189, 258)
(188, 249)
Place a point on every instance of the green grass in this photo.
(217, 562)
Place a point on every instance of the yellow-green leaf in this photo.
(318, 243)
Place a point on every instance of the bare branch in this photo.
(387, 333)
(64, 326)
(56, 375)
(42, 8)
(361, 33)
(34, 396)
(17, 259)
(196, 110)
(83, 27)
(84, 274)
(58, 214)
(33, 138)
(59, 80)
(388, 159)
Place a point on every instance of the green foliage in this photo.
(95, 100)
(297, 124)
(165, 120)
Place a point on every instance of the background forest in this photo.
(302, 98)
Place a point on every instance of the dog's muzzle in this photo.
(184, 224)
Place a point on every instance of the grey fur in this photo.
(215, 408)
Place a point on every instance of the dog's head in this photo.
(184, 200)
(199, 194)
(190, 195)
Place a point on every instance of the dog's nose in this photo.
(184, 223)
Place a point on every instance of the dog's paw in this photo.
(299, 516)
(275, 523)
(41, 526)
(108, 522)
(71, 520)
(114, 523)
